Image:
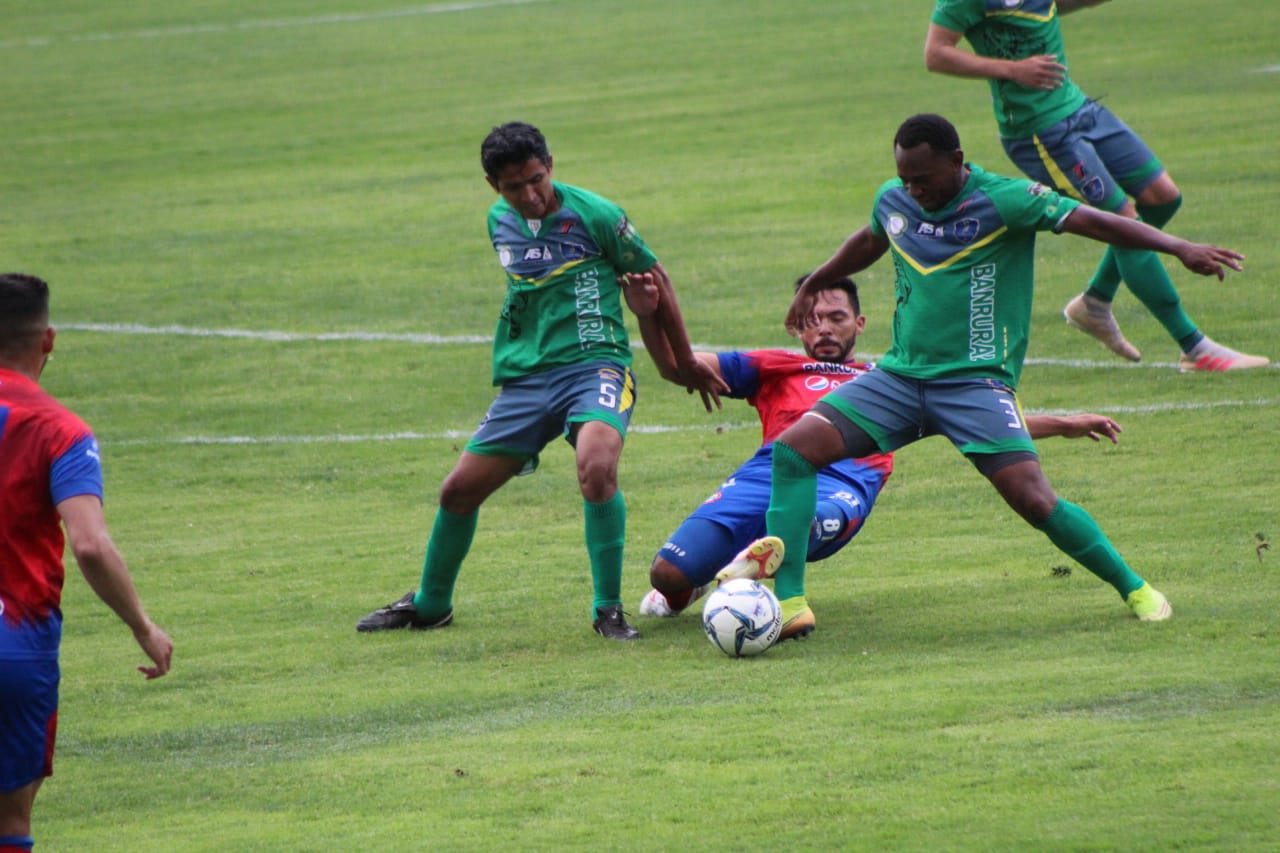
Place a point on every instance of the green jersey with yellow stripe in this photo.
(1015, 29)
(965, 274)
(564, 304)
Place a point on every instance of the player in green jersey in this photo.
(963, 246)
(561, 359)
(1058, 136)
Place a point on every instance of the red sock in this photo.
(677, 601)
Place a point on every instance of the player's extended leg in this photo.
(1069, 527)
(469, 484)
(805, 447)
(686, 565)
(1095, 157)
(1156, 206)
(598, 447)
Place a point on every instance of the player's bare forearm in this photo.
(860, 250)
(108, 576)
(693, 374)
(1091, 426)
(659, 349)
(943, 55)
(1125, 233)
(643, 297)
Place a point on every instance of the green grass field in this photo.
(264, 227)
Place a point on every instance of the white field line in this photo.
(262, 24)
(188, 331)
(641, 429)
(422, 338)
(445, 340)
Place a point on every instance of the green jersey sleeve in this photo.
(958, 15)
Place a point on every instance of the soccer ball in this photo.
(742, 617)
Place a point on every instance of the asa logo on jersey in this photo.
(930, 230)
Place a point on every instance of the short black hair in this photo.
(928, 129)
(846, 284)
(24, 311)
(514, 142)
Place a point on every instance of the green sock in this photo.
(1147, 278)
(1076, 534)
(449, 543)
(1106, 279)
(793, 498)
(606, 528)
(1150, 282)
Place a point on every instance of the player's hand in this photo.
(801, 313)
(1205, 259)
(641, 292)
(700, 377)
(1038, 72)
(159, 648)
(1094, 427)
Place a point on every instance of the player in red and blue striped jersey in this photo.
(50, 476)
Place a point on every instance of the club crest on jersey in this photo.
(897, 224)
(967, 229)
(1093, 189)
(928, 229)
(573, 252)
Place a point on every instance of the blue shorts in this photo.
(979, 416)
(28, 721)
(734, 516)
(1090, 155)
(531, 411)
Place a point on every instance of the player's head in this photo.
(930, 161)
(517, 164)
(25, 336)
(832, 328)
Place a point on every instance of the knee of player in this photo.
(458, 497)
(1035, 505)
(665, 577)
(598, 477)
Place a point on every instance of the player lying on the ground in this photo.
(782, 385)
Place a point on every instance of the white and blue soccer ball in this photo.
(742, 617)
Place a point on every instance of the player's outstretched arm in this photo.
(1090, 426)
(943, 55)
(860, 250)
(1200, 258)
(105, 570)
